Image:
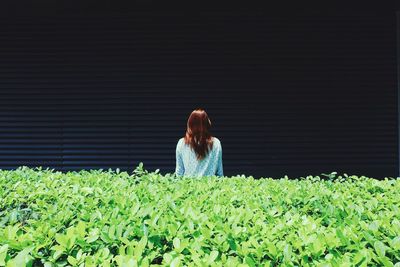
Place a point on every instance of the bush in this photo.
(112, 218)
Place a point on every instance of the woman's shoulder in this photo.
(181, 142)
(216, 141)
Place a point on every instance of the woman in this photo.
(198, 153)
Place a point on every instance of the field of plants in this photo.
(112, 218)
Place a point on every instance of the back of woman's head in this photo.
(198, 134)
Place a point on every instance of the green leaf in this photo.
(80, 229)
(167, 258)
(111, 231)
(23, 258)
(62, 240)
(386, 261)
(177, 243)
(213, 256)
(3, 254)
(176, 262)
(287, 253)
(93, 235)
(232, 243)
(360, 257)
(57, 253)
(374, 226)
(395, 243)
(380, 248)
(341, 236)
(272, 249)
(72, 260)
(250, 261)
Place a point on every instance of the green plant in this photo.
(113, 218)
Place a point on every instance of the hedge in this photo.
(113, 218)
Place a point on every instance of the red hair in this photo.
(198, 133)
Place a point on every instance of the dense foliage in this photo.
(112, 218)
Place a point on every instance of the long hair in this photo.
(198, 134)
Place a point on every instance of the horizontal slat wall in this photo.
(287, 94)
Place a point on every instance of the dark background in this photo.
(294, 92)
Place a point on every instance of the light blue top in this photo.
(187, 163)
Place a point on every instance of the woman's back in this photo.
(187, 163)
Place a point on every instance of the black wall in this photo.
(287, 93)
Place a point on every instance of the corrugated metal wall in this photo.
(287, 94)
